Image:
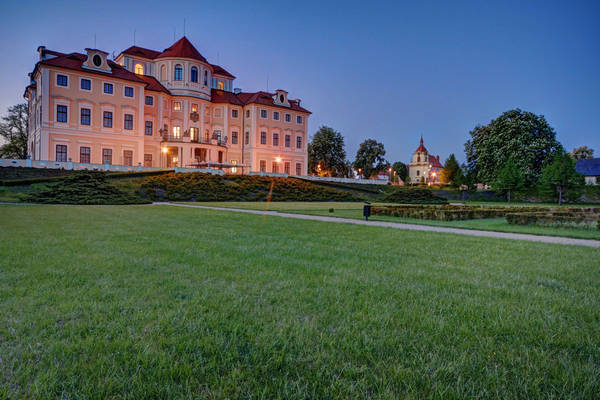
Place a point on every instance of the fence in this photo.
(69, 165)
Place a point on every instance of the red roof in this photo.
(221, 96)
(266, 98)
(434, 161)
(153, 84)
(141, 52)
(182, 48)
(220, 71)
(421, 148)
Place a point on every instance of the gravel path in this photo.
(412, 227)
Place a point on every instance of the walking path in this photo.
(412, 227)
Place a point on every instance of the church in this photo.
(424, 167)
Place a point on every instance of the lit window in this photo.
(263, 138)
(86, 84)
(193, 134)
(220, 85)
(148, 128)
(62, 80)
(177, 132)
(128, 122)
(128, 91)
(139, 69)
(195, 108)
(276, 115)
(149, 100)
(194, 74)
(61, 152)
(234, 170)
(288, 118)
(84, 155)
(178, 76)
(276, 139)
(108, 88)
(299, 119)
(61, 113)
(263, 113)
(107, 119)
(177, 106)
(147, 160)
(127, 157)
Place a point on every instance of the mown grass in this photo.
(148, 302)
(354, 210)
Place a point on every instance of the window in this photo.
(147, 160)
(218, 112)
(128, 157)
(84, 155)
(418, 172)
(247, 113)
(234, 169)
(108, 88)
(247, 138)
(176, 106)
(97, 60)
(298, 142)
(62, 80)
(61, 152)
(139, 69)
(263, 166)
(128, 91)
(288, 118)
(234, 138)
(178, 76)
(148, 128)
(299, 119)
(274, 167)
(298, 169)
(276, 139)
(194, 74)
(163, 73)
(128, 122)
(194, 134)
(287, 140)
(234, 113)
(276, 115)
(205, 78)
(85, 116)
(195, 108)
(107, 119)
(263, 138)
(61, 113)
(177, 132)
(149, 100)
(263, 113)
(106, 156)
(86, 84)
(286, 167)
(220, 85)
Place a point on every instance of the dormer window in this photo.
(280, 98)
(97, 60)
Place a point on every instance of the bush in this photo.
(83, 187)
(450, 212)
(415, 195)
(198, 186)
(578, 216)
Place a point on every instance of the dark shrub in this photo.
(416, 195)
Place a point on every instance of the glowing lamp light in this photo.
(164, 149)
(278, 159)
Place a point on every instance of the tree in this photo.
(524, 136)
(582, 152)
(369, 158)
(450, 170)
(509, 179)
(14, 129)
(326, 150)
(401, 170)
(464, 180)
(561, 177)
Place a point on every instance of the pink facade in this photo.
(160, 109)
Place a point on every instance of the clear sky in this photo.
(390, 71)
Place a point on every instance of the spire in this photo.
(421, 143)
(421, 148)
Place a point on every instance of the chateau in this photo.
(159, 109)
(424, 167)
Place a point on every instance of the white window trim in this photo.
(111, 109)
(113, 91)
(266, 113)
(131, 112)
(56, 80)
(153, 100)
(125, 87)
(91, 85)
(89, 146)
(61, 103)
(91, 108)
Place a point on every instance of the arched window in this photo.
(178, 73)
(205, 77)
(163, 73)
(220, 85)
(139, 69)
(418, 158)
(194, 74)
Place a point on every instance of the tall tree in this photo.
(327, 151)
(581, 152)
(524, 136)
(369, 158)
(401, 170)
(560, 177)
(509, 179)
(450, 170)
(14, 130)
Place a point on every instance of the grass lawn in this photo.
(354, 210)
(148, 302)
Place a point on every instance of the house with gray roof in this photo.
(590, 168)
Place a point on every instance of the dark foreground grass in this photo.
(147, 302)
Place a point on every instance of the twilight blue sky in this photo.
(384, 70)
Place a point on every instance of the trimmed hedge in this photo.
(556, 217)
(414, 195)
(83, 187)
(197, 186)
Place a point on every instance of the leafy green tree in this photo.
(14, 130)
(509, 179)
(369, 158)
(401, 170)
(326, 150)
(582, 152)
(464, 180)
(560, 177)
(524, 136)
(450, 170)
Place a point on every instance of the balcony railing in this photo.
(187, 139)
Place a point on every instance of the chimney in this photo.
(42, 50)
(237, 90)
(298, 102)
